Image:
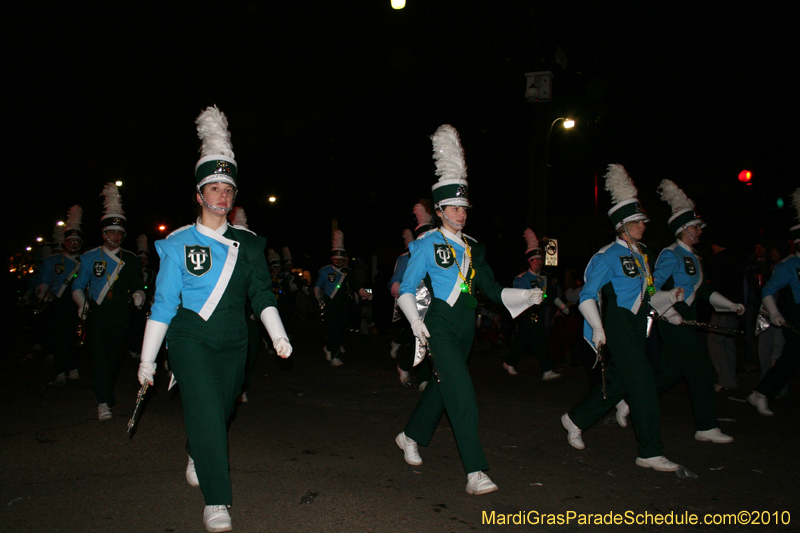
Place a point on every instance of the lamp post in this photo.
(568, 123)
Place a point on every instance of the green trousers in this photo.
(337, 315)
(686, 356)
(108, 334)
(208, 359)
(530, 334)
(630, 377)
(452, 331)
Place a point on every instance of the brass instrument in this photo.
(82, 323)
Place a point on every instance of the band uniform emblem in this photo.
(99, 269)
(628, 266)
(59, 268)
(443, 256)
(198, 259)
(689, 266)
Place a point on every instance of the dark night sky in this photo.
(331, 104)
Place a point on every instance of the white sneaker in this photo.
(623, 410)
(103, 412)
(73, 374)
(422, 386)
(393, 351)
(61, 381)
(760, 402)
(242, 398)
(510, 369)
(191, 474)
(479, 483)
(660, 463)
(342, 350)
(573, 433)
(713, 435)
(336, 362)
(404, 376)
(410, 450)
(550, 375)
(217, 519)
(327, 353)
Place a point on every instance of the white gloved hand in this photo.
(561, 305)
(588, 309)
(722, 304)
(534, 296)
(775, 316)
(408, 304)
(738, 309)
(138, 299)
(154, 333)
(280, 340)
(364, 294)
(673, 316)
(80, 299)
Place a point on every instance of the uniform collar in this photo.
(115, 253)
(207, 231)
(451, 236)
(685, 246)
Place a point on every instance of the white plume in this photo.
(74, 217)
(674, 196)
(272, 256)
(530, 240)
(619, 184)
(423, 217)
(212, 128)
(796, 201)
(238, 217)
(338, 240)
(407, 237)
(449, 155)
(287, 255)
(141, 243)
(112, 201)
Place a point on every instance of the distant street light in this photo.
(272, 199)
(39, 239)
(398, 4)
(118, 183)
(60, 223)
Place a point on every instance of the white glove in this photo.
(154, 333)
(561, 306)
(534, 296)
(591, 313)
(80, 299)
(775, 316)
(138, 299)
(663, 300)
(722, 304)
(364, 294)
(408, 304)
(673, 316)
(280, 341)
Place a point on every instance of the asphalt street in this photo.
(325, 436)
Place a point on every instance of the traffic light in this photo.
(745, 176)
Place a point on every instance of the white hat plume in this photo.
(619, 184)
(212, 129)
(112, 200)
(530, 239)
(674, 196)
(449, 154)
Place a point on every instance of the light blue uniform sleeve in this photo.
(781, 277)
(82, 281)
(168, 287)
(598, 273)
(666, 265)
(521, 283)
(416, 270)
(399, 269)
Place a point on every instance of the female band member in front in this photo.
(454, 268)
(208, 269)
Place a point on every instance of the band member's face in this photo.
(73, 245)
(636, 230)
(218, 195)
(536, 262)
(337, 261)
(694, 232)
(113, 238)
(274, 271)
(455, 217)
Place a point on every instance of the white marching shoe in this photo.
(405, 378)
(410, 450)
(713, 435)
(660, 463)
(760, 402)
(191, 474)
(103, 412)
(573, 432)
(393, 351)
(479, 483)
(550, 375)
(623, 410)
(217, 519)
(510, 369)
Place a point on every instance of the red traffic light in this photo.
(745, 176)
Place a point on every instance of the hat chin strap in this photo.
(215, 208)
(454, 224)
(686, 229)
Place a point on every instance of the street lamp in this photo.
(568, 123)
